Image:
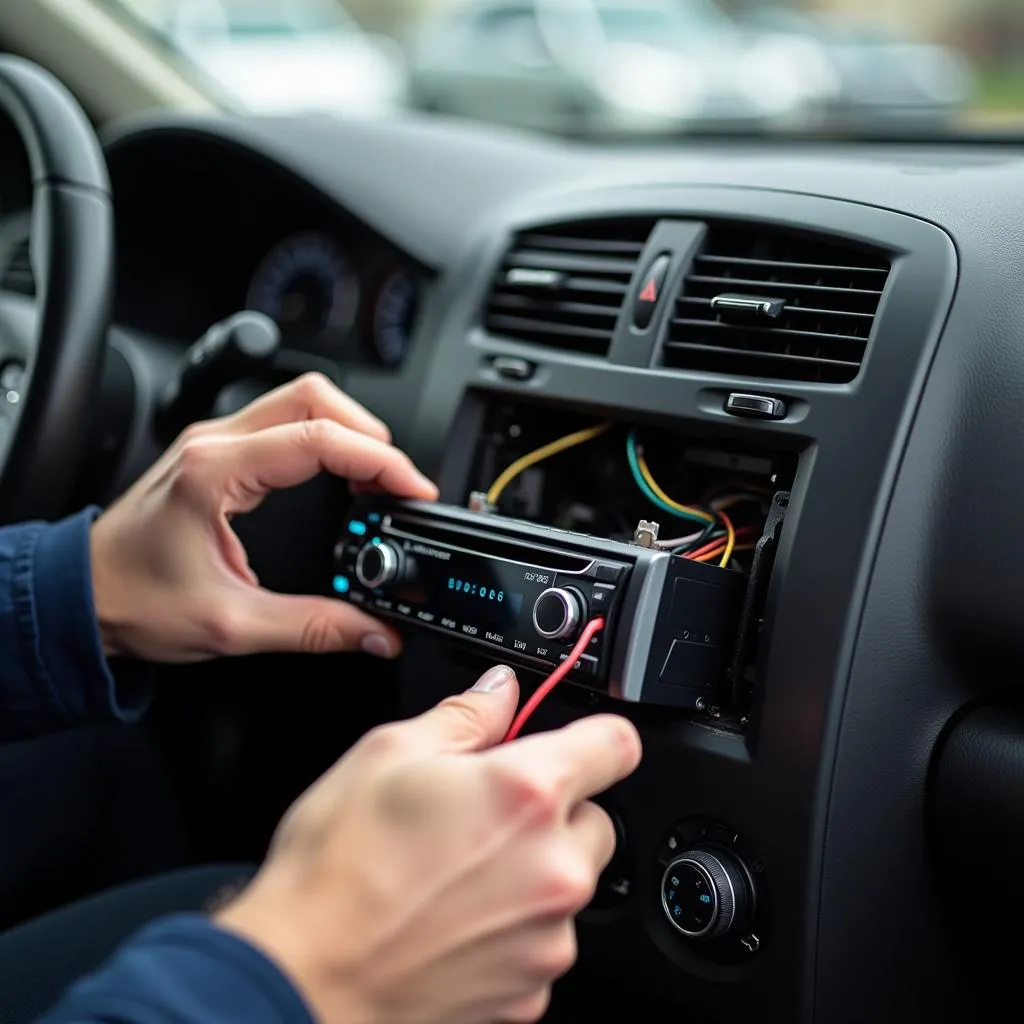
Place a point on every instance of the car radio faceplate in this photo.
(525, 592)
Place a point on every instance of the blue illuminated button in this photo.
(689, 898)
(341, 584)
(358, 528)
(373, 517)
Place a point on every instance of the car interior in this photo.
(817, 339)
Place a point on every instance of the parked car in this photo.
(319, 56)
(879, 78)
(596, 66)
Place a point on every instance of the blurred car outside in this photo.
(596, 67)
(278, 56)
(880, 80)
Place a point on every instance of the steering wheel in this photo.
(51, 355)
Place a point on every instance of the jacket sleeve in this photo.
(184, 970)
(53, 672)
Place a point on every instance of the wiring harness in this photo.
(714, 537)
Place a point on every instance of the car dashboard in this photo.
(484, 293)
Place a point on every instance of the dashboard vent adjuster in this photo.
(16, 276)
(564, 286)
(760, 302)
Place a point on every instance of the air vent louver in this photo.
(564, 286)
(17, 276)
(760, 302)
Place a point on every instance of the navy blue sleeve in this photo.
(53, 672)
(183, 970)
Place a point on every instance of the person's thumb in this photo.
(267, 622)
(474, 720)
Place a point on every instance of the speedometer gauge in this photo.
(392, 318)
(308, 286)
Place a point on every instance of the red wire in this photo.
(590, 630)
(718, 543)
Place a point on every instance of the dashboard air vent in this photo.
(16, 275)
(761, 302)
(564, 286)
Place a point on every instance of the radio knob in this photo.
(558, 613)
(377, 565)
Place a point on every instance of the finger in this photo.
(310, 397)
(264, 622)
(475, 720)
(594, 834)
(580, 760)
(246, 467)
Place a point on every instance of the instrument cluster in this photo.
(331, 302)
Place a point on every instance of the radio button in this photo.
(377, 565)
(558, 613)
(607, 573)
(601, 600)
(586, 664)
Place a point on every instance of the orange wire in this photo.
(709, 556)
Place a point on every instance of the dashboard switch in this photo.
(513, 368)
(651, 286)
(757, 407)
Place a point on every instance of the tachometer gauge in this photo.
(392, 318)
(309, 287)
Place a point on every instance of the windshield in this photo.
(616, 68)
(661, 26)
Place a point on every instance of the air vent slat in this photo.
(746, 282)
(576, 264)
(769, 332)
(542, 327)
(761, 301)
(564, 285)
(695, 300)
(540, 241)
(555, 307)
(744, 354)
(776, 265)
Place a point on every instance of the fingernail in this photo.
(493, 679)
(377, 645)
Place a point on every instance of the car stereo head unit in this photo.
(525, 592)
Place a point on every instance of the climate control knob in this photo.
(378, 564)
(707, 893)
(558, 613)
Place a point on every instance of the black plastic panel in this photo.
(874, 647)
(775, 788)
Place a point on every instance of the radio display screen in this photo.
(468, 590)
(466, 600)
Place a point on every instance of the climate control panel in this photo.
(712, 891)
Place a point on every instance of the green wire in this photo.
(634, 466)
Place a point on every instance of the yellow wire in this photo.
(561, 445)
(730, 543)
(645, 472)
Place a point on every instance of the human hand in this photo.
(171, 580)
(432, 876)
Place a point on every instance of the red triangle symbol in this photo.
(650, 292)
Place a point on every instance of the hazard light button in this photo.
(651, 286)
